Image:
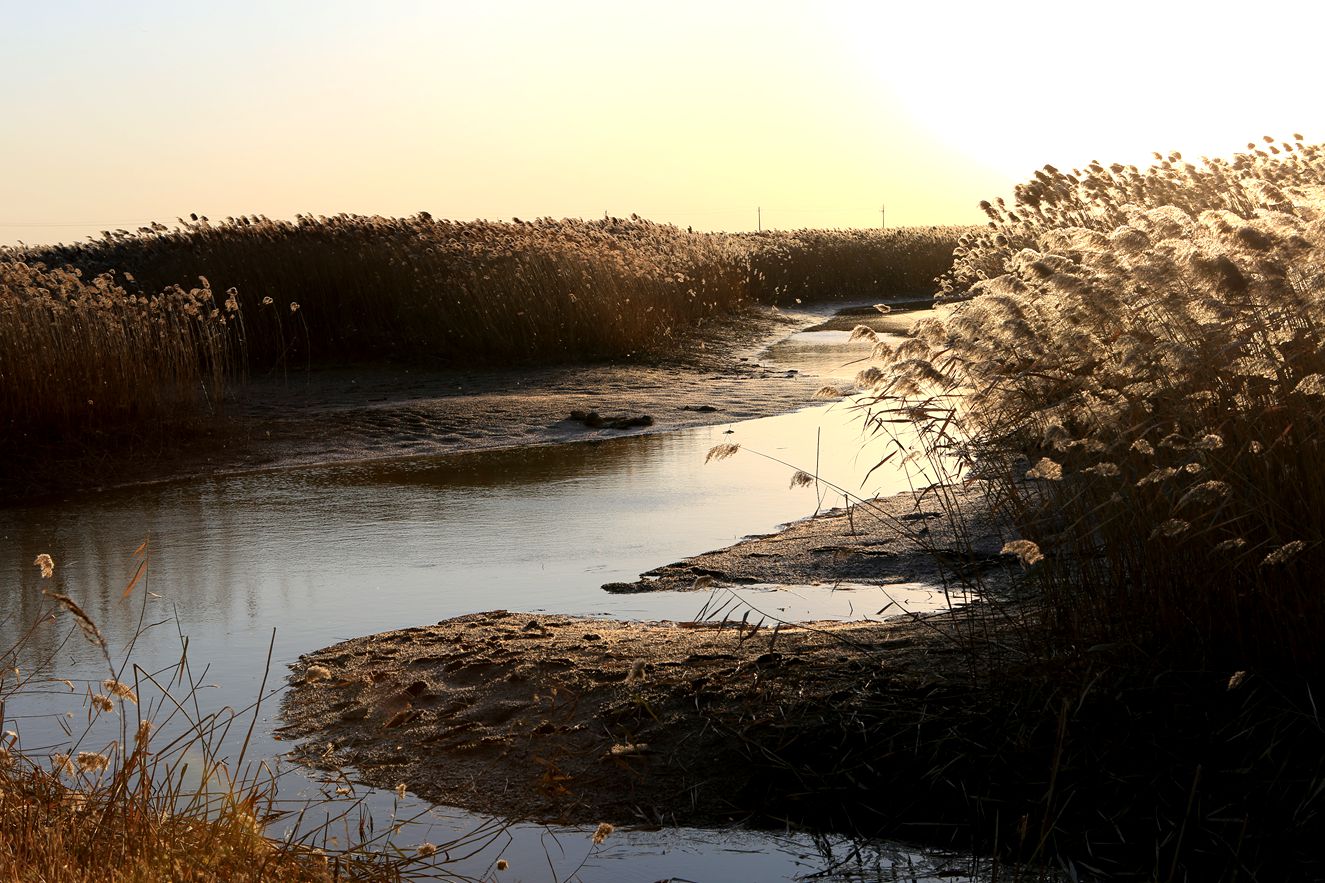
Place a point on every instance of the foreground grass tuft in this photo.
(145, 791)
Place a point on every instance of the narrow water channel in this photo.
(327, 553)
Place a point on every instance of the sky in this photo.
(721, 115)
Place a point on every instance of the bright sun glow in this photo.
(1015, 86)
(695, 113)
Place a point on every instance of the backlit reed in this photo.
(132, 325)
(1143, 357)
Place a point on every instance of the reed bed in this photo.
(140, 323)
(1139, 362)
(814, 265)
(496, 292)
(78, 353)
(1144, 359)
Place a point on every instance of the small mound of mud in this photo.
(901, 539)
(594, 420)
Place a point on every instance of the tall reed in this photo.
(1143, 356)
(129, 326)
(424, 289)
(814, 265)
(78, 353)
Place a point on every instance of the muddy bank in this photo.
(976, 728)
(575, 720)
(558, 718)
(908, 538)
(897, 318)
(720, 374)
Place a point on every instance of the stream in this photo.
(298, 559)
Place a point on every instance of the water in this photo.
(323, 554)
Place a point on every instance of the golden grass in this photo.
(1142, 354)
(148, 804)
(814, 265)
(77, 353)
(130, 327)
(95, 828)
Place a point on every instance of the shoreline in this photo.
(350, 414)
(974, 728)
(575, 720)
(567, 719)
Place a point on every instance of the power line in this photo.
(142, 221)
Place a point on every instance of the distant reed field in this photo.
(200, 303)
(1143, 356)
(78, 353)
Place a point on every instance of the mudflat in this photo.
(574, 719)
(566, 719)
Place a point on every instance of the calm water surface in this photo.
(324, 554)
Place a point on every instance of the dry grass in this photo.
(90, 829)
(1144, 360)
(420, 288)
(814, 265)
(1140, 358)
(77, 353)
(112, 337)
(143, 791)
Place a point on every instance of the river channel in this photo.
(318, 554)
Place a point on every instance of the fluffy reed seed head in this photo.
(1027, 551)
(92, 762)
(801, 479)
(722, 451)
(123, 691)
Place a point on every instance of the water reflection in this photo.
(831, 354)
(324, 554)
(333, 552)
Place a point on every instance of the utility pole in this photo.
(883, 216)
(759, 215)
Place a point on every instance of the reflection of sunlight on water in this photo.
(334, 552)
(827, 354)
(772, 603)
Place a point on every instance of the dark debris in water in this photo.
(594, 420)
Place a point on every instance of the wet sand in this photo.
(909, 538)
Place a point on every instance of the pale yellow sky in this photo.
(695, 113)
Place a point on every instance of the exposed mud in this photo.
(569, 719)
(909, 538)
(575, 720)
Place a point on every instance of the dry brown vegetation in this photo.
(144, 790)
(1141, 358)
(77, 353)
(1149, 349)
(134, 324)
